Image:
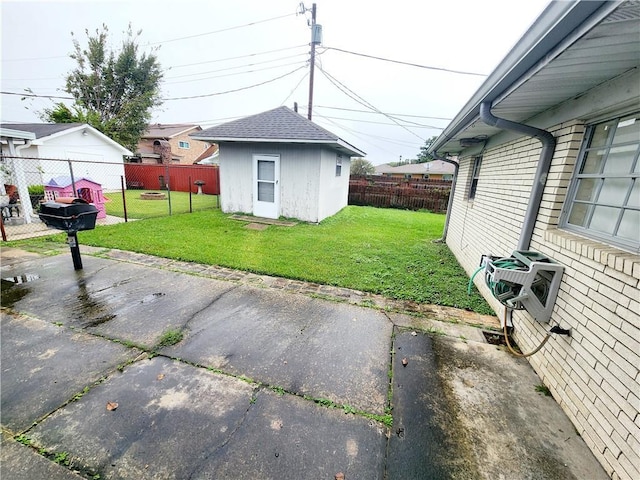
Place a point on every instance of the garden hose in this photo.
(518, 354)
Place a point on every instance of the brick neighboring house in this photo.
(549, 151)
(184, 149)
(434, 170)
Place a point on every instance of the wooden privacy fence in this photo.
(179, 178)
(432, 195)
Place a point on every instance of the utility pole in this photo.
(315, 39)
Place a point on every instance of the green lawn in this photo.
(138, 208)
(385, 251)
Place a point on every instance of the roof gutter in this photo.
(544, 164)
(456, 167)
(560, 24)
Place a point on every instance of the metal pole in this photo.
(72, 240)
(73, 182)
(313, 59)
(124, 198)
(168, 185)
(190, 204)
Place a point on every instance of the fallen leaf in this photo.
(111, 406)
(160, 376)
(339, 476)
(405, 361)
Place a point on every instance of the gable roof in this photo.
(41, 129)
(48, 131)
(168, 130)
(65, 181)
(571, 48)
(280, 125)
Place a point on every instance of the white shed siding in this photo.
(236, 178)
(334, 191)
(97, 159)
(595, 373)
(299, 185)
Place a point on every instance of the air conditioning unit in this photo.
(526, 280)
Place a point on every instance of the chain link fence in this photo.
(121, 191)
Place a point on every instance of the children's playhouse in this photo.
(86, 189)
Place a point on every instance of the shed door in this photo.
(266, 189)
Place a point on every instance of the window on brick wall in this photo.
(603, 201)
(475, 175)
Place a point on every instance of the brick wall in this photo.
(594, 374)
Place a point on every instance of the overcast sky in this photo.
(210, 47)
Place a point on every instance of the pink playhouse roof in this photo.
(62, 182)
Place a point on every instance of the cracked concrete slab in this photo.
(21, 462)
(285, 436)
(118, 300)
(460, 407)
(170, 416)
(44, 366)
(306, 346)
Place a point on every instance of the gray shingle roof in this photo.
(41, 129)
(279, 124)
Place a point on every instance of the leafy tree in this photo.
(114, 92)
(362, 166)
(423, 156)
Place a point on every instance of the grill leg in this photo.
(72, 240)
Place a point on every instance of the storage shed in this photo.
(278, 163)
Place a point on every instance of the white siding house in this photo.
(278, 163)
(548, 151)
(95, 155)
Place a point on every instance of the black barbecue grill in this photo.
(71, 215)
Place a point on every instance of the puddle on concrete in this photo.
(12, 295)
(18, 279)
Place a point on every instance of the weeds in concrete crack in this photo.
(170, 337)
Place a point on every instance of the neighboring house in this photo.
(278, 163)
(434, 170)
(572, 81)
(209, 157)
(98, 156)
(184, 149)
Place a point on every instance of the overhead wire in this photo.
(400, 62)
(354, 96)
(368, 111)
(188, 37)
(235, 89)
(294, 88)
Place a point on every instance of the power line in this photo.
(415, 125)
(36, 96)
(236, 89)
(294, 88)
(221, 30)
(236, 67)
(354, 96)
(237, 73)
(168, 99)
(162, 41)
(368, 111)
(459, 72)
(236, 58)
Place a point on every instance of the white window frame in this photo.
(339, 166)
(184, 145)
(628, 195)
